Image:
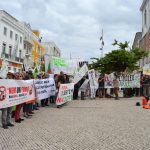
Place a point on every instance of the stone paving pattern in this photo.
(83, 125)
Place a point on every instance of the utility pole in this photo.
(102, 43)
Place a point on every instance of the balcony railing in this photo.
(17, 59)
(9, 57)
(5, 55)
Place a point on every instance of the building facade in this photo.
(144, 42)
(38, 49)
(11, 41)
(28, 45)
(52, 49)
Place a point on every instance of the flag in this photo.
(49, 69)
(35, 72)
(4, 69)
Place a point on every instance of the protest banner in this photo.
(58, 65)
(129, 81)
(4, 69)
(44, 88)
(109, 80)
(14, 92)
(65, 93)
(125, 81)
(84, 86)
(79, 75)
(66, 65)
(93, 82)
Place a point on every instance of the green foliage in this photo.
(119, 60)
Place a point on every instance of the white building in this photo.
(145, 39)
(11, 41)
(145, 9)
(52, 49)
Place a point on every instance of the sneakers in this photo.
(21, 119)
(18, 121)
(31, 112)
(5, 126)
(10, 125)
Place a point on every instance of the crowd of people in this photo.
(144, 89)
(28, 108)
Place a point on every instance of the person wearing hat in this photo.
(6, 112)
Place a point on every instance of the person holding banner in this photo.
(18, 76)
(116, 87)
(6, 112)
(101, 90)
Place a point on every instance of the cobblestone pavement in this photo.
(82, 125)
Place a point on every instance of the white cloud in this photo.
(76, 25)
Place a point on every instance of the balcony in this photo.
(19, 59)
(5, 55)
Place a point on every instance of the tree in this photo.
(119, 60)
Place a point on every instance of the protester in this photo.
(76, 90)
(53, 98)
(27, 107)
(18, 76)
(101, 90)
(61, 78)
(66, 78)
(6, 112)
(116, 86)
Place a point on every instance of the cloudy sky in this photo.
(75, 25)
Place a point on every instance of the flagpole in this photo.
(102, 43)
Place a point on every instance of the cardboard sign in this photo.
(65, 93)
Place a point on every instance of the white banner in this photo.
(79, 75)
(44, 88)
(93, 82)
(65, 93)
(4, 70)
(109, 80)
(14, 92)
(125, 81)
(84, 86)
(129, 81)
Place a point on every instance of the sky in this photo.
(76, 25)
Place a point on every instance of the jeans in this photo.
(6, 115)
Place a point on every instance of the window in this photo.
(4, 48)
(20, 39)
(27, 51)
(20, 53)
(10, 51)
(24, 46)
(16, 37)
(11, 34)
(9, 68)
(5, 31)
(145, 17)
(14, 69)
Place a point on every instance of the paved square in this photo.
(83, 125)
